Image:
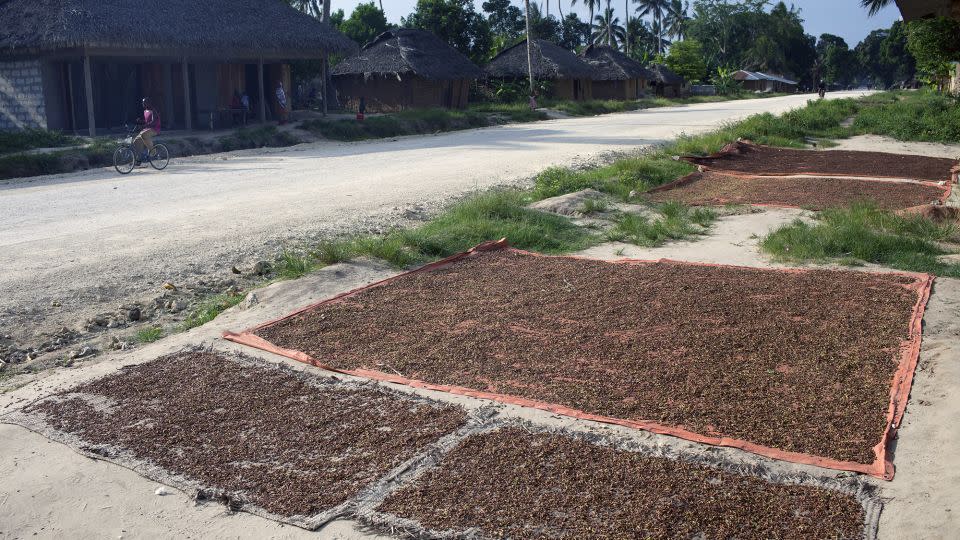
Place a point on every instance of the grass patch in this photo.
(411, 122)
(863, 233)
(256, 137)
(291, 266)
(149, 334)
(676, 222)
(209, 309)
(593, 206)
(911, 116)
(28, 139)
(510, 112)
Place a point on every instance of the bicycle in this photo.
(125, 157)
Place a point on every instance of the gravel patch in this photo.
(512, 483)
(800, 361)
(815, 193)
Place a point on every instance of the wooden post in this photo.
(73, 97)
(88, 87)
(187, 112)
(167, 95)
(325, 69)
(263, 98)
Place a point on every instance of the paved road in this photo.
(90, 239)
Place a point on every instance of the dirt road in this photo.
(73, 246)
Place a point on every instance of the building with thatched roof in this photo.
(615, 75)
(756, 81)
(405, 68)
(666, 83)
(569, 76)
(80, 65)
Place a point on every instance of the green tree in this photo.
(574, 33)
(541, 27)
(838, 64)
(504, 18)
(607, 29)
(457, 23)
(592, 6)
(643, 43)
(934, 43)
(365, 23)
(656, 10)
(676, 18)
(883, 56)
(686, 59)
(336, 18)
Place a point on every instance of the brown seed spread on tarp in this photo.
(513, 484)
(751, 158)
(713, 188)
(266, 435)
(800, 361)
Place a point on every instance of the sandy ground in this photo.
(76, 245)
(878, 143)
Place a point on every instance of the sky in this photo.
(844, 18)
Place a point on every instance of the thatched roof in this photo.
(190, 27)
(549, 62)
(409, 51)
(662, 74)
(610, 64)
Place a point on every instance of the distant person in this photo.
(362, 108)
(236, 109)
(143, 142)
(281, 104)
(822, 88)
(533, 101)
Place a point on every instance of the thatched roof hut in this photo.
(570, 76)
(615, 75)
(81, 64)
(666, 82)
(404, 68)
(258, 28)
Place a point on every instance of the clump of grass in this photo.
(257, 137)
(149, 334)
(593, 206)
(911, 116)
(209, 309)
(28, 139)
(329, 252)
(494, 215)
(392, 248)
(864, 233)
(512, 112)
(676, 222)
(410, 122)
(292, 266)
(619, 178)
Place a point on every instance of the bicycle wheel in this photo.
(159, 157)
(123, 159)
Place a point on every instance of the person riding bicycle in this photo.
(143, 142)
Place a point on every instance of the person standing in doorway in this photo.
(281, 104)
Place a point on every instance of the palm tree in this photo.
(591, 5)
(310, 7)
(874, 6)
(656, 9)
(675, 22)
(608, 29)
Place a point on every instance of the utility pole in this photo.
(526, 4)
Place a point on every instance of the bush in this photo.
(17, 141)
(913, 116)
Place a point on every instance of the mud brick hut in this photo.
(569, 76)
(405, 68)
(665, 82)
(756, 81)
(84, 65)
(616, 75)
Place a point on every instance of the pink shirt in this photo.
(151, 120)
